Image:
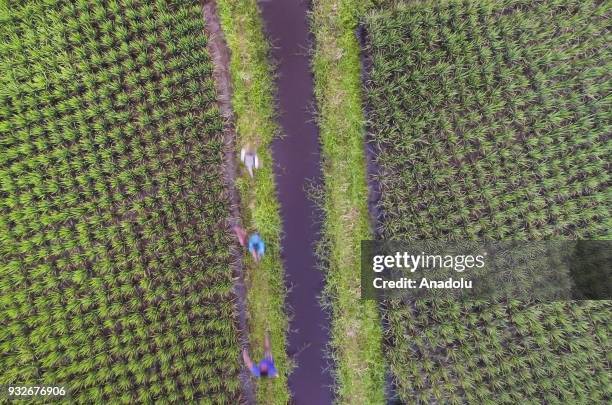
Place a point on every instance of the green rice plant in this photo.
(115, 277)
(491, 121)
(529, 150)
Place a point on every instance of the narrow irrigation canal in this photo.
(297, 161)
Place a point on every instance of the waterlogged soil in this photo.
(371, 151)
(297, 162)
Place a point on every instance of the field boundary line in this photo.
(372, 167)
(374, 186)
(220, 56)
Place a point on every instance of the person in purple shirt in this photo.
(257, 247)
(265, 368)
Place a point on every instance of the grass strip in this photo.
(254, 109)
(356, 332)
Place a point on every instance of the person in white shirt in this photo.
(249, 158)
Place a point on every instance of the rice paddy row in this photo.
(491, 119)
(115, 277)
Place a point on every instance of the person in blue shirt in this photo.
(257, 247)
(265, 368)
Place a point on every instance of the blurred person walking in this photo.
(241, 234)
(248, 156)
(257, 247)
(266, 367)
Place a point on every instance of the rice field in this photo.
(115, 277)
(491, 119)
(504, 353)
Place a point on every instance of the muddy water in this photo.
(297, 160)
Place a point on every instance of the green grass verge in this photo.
(493, 121)
(254, 108)
(356, 332)
(115, 277)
